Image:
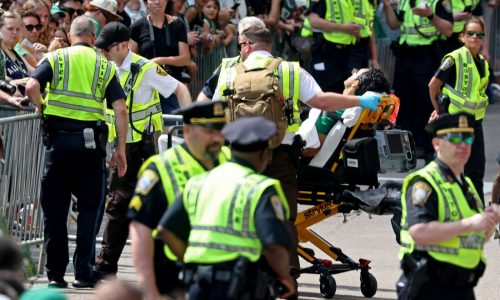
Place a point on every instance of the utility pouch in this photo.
(443, 102)
(89, 138)
(46, 134)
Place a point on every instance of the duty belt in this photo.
(206, 273)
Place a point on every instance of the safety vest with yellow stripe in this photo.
(339, 12)
(79, 82)
(417, 30)
(306, 30)
(175, 167)
(222, 219)
(143, 114)
(466, 250)
(469, 92)
(364, 13)
(459, 6)
(289, 77)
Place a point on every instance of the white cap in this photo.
(299, 3)
(108, 7)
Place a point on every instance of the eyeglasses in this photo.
(479, 35)
(457, 138)
(30, 27)
(72, 11)
(243, 43)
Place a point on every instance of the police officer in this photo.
(80, 82)
(208, 90)
(296, 85)
(344, 42)
(421, 22)
(161, 178)
(142, 81)
(232, 215)
(444, 224)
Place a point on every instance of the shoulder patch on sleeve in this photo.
(446, 64)
(135, 203)
(420, 192)
(160, 71)
(278, 207)
(147, 181)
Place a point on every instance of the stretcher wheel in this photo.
(327, 286)
(368, 284)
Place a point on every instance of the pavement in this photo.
(362, 236)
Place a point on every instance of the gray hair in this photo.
(248, 22)
(82, 26)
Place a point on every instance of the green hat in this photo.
(56, 10)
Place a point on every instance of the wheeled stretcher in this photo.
(357, 148)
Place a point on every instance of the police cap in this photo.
(209, 114)
(249, 134)
(112, 33)
(450, 123)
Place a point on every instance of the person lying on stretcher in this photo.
(315, 129)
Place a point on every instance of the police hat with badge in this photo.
(249, 134)
(210, 114)
(454, 127)
(446, 123)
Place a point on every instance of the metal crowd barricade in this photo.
(21, 168)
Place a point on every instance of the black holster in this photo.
(237, 283)
(416, 272)
(296, 149)
(443, 103)
(47, 134)
(102, 135)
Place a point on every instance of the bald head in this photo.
(81, 27)
(248, 22)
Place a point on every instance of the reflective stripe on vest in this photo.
(458, 6)
(289, 78)
(465, 250)
(143, 115)
(227, 72)
(77, 89)
(222, 219)
(175, 167)
(426, 33)
(363, 15)
(339, 12)
(469, 93)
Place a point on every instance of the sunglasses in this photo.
(457, 138)
(72, 11)
(479, 35)
(239, 45)
(30, 27)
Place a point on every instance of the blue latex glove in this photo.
(369, 101)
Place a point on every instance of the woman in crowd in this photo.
(163, 39)
(10, 28)
(29, 48)
(42, 9)
(463, 77)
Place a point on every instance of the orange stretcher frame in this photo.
(327, 204)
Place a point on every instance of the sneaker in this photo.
(59, 284)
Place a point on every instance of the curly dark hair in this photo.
(373, 80)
